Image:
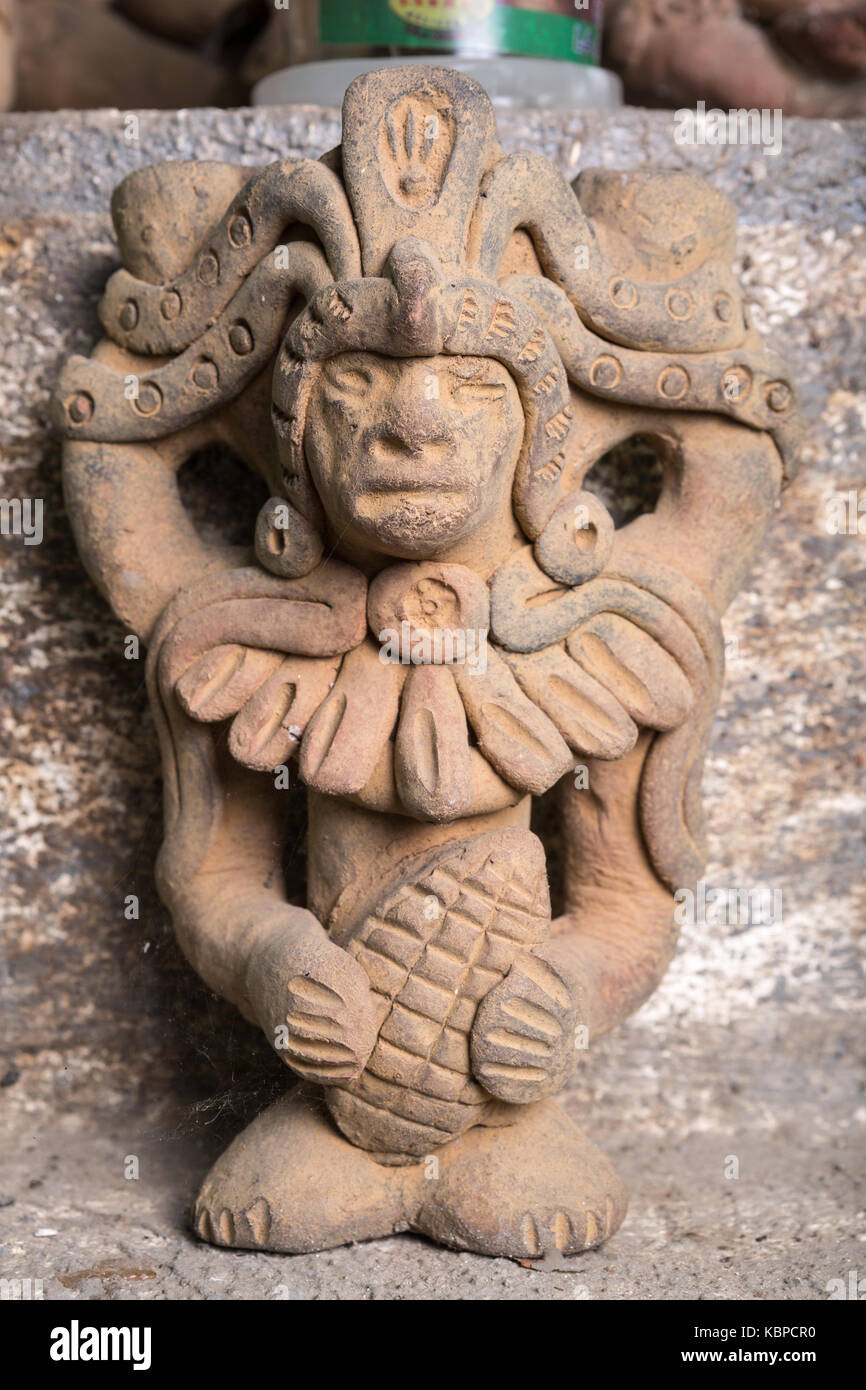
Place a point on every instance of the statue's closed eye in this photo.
(352, 381)
(478, 391)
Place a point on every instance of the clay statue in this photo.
(423, 346)
(804, 57)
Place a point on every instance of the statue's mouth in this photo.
(418, 482)
(393, 501)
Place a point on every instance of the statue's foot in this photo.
(290, 1182)
(529, 1185)
(523, 1189)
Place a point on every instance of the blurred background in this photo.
(807, 57)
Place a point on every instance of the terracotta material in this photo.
(79, 56)
(805, 57)
(8, 47)
(423, 346)
(189, 22)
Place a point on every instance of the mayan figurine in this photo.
(423, 346)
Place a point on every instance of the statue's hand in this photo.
(523, 1037)
(315, 1005)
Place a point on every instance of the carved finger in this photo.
(646, 680)
(328, 1063)
(314, 1027)
(521, 1040)
(219, 683)
(345, 737)
(517, 737)
(432, 765)
(588, 716)
(269, 728)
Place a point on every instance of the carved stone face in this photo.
(410, 456)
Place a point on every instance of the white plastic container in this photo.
(536, 53)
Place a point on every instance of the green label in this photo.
(569, 30)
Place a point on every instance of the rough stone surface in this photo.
(751, 1048)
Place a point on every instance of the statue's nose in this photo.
(404, 434)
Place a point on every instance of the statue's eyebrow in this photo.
(355, 363)
(469, 373)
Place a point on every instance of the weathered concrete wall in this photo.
(751, 1047)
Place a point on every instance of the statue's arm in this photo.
(136, 540)
(269, 957)
(617, 934)
(220, 869)
(631, 828)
